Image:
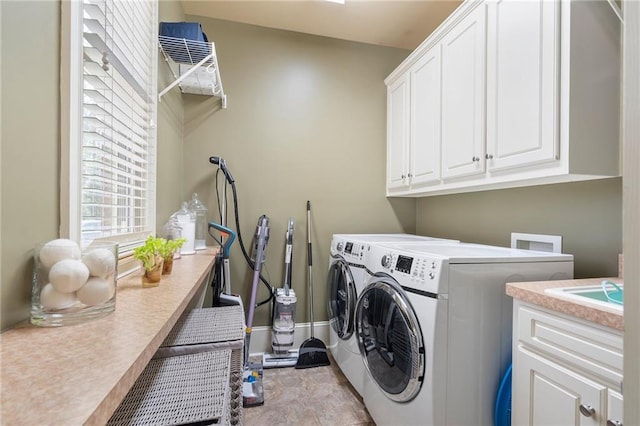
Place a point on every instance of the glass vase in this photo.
(70, 285)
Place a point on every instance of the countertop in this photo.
(534, 292)
(79, 374)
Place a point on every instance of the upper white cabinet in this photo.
(413, 124)
(522, 64)
(463, 101)
(424, 154)
(398, 133)
(528, 93)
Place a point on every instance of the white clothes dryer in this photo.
(345, 281)
(434, 328)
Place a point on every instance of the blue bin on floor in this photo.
(184, 42)
(502, 409)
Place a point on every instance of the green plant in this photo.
(149, 253)
(170, 247)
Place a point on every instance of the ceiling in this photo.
(393, 23)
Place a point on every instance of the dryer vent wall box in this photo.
(536, 242)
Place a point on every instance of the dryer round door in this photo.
(341, 297)
(390, 339)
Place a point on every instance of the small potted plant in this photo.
(168, 250)
(149, 255)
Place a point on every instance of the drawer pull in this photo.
(587, 410)
(614, 423)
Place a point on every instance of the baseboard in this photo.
(261, 336)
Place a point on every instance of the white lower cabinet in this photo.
(549, 394)
(566, 371)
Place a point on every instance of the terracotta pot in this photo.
(151, 278)
(167, 266)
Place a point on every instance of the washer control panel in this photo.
(351, 251)
(408, 268)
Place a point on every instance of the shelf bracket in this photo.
(194, 66)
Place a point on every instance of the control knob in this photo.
(386, 261)
(339, 246)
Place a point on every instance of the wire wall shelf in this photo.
(194, 66)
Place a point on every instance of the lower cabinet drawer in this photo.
(579, 344)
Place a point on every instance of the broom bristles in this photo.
(312, 353)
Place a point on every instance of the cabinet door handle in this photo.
(474, 159)
(489, 156)
(409, 175)
(614, 423)
(403, 176)
(587, 410)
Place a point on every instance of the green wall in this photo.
(30, 132)
(588, 215)
(169, 179)
(306, 120)
(30, 143)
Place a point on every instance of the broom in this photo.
(313, 352)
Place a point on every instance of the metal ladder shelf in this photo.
(194, 66)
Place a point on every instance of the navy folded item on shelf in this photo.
(184, 42)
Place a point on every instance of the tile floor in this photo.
(310, 396)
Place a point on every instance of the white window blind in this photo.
(111, 153)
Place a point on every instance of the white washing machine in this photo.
(434, 328)
(345, 281)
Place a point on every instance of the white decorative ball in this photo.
(101, 262)
(95, 291)
(57, 250)
(68, 275)
(52, 299)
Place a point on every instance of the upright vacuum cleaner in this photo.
(252, 390)
(284, 315)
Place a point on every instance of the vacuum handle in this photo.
(223, 166)
(231, 236)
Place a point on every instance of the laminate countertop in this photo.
(534, 292)
(79, 374)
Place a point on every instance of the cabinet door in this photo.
(463, 96)
(397, 132)
(614, 408)
(522, 83)
(546, 393)
(425, 119)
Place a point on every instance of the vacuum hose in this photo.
(223, 166)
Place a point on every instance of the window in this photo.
(109, 99)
